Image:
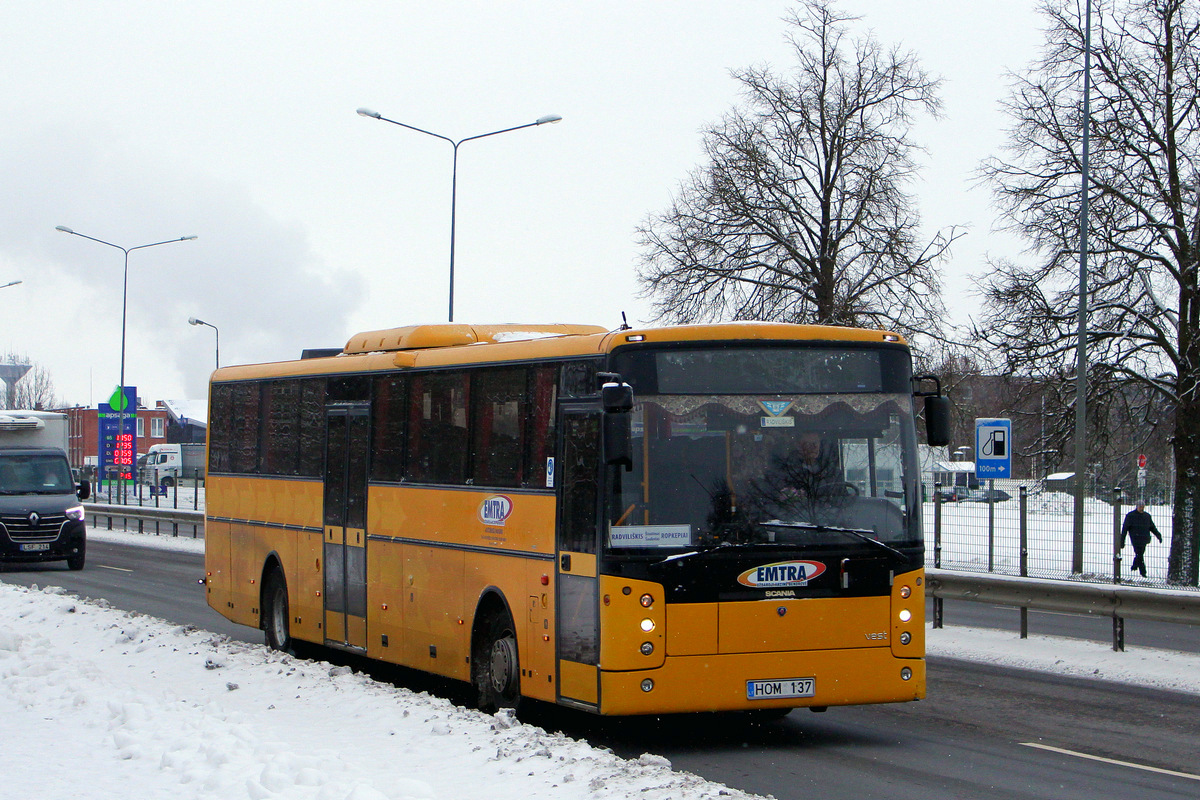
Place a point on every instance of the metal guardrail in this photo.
(1071, 597)
(174, 518)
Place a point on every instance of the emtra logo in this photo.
(495, 510)
(781, 574)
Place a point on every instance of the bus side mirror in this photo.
(616, 397)
(937, 420)
(937, 411)
(84, 490)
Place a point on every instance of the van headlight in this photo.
(75, 513)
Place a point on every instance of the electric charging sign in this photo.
(993, 448)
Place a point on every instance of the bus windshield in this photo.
(776, 467)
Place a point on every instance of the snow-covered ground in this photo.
(100, 703)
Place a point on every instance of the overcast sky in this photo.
(136, 122)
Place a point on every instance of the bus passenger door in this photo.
(347, 442)
(578, 624)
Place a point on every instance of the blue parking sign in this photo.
(993, 448)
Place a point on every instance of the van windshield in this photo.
(35, 473)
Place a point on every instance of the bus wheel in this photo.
(275, 612)
(168, 482)
(497, 672)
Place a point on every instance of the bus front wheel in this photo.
(496, 670)
(275, 612)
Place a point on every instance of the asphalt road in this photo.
(983, 732)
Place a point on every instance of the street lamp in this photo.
(549, 118)
(194, 321)
(124, 303)
(10, 283)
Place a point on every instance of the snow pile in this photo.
(103, 703)
(1140, 666)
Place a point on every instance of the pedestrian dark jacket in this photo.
(1138, 526)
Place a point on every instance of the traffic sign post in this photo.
(993, 448)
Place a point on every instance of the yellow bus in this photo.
(641, 521)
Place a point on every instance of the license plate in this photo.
(784, 687)
(32, 548)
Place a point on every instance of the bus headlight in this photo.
(906, 674)
(905, 592)
(75, 513)
(647, 648)
(647, 685)
(905, 615)
(905, 637)
(647, 625)
(647, 601)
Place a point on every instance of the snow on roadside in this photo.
(1141, 666)
(103, 703)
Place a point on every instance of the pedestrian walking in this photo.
(1138, 526)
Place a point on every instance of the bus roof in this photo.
(448, 344)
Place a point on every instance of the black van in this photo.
(41, 518)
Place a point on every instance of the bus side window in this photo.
(540, 424)
(580, 485)
(438, 429)
(387, 428)
(498, 400)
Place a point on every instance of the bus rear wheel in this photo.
(496, 670)
(275, 612)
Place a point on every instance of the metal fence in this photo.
(1021, 528)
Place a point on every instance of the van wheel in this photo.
(75, 562)
(168, 482)
(495, 665)
(275, 612)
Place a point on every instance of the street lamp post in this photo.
(194, 321)
(549, 118)
(124, 305)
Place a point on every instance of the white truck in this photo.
(41, 518)
(168, 464)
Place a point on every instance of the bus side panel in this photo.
(252, 546)
(216, 566)
(245, 570)
(385, 601)
(303, 574)
(438, 633)
(536, 649)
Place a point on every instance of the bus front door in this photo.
(347, 442)
(577, 586)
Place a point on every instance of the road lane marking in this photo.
(118, 569)
(1187, 775)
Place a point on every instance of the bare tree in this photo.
(34, 390)
(1144, 327)
(801, 213)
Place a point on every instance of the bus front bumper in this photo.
(720, 682)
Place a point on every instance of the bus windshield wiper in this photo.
(858, 534)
